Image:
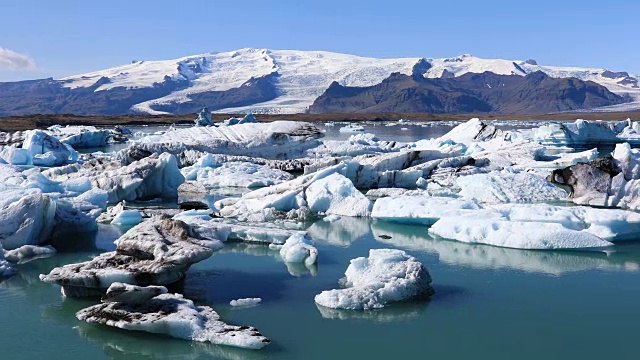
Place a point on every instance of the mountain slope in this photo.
(261, 81)
(468, 93)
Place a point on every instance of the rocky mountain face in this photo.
(468, 93)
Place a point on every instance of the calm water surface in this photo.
(490, 303)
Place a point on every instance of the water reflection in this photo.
(392, 313)
(294, 269)
(622, 257)
(341, 232)
(123, 344)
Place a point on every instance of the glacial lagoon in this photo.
(490, 302)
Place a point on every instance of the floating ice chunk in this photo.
(351, 128)
(385, 276)
(508, 187)
(204, 118)
(131, 294)
(237, 174)
(298, 250)
(6, 268)
(587, 132)
(246, 302)
(611, 182)
(335, 194)
(331, 218)
(156, 251)
(28, 221)
(274, 140)
(127, 218)
(16, 156)
(173, 315)
(38, 142)
(515, 234)
(155, 175)
(424, 210)
(28, 252)
(80, 136)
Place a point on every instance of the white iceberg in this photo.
(508, 187)
(275, 140)
(234, 174)
(245, 302)
(422, 209)
(127, 218)
(384, 277)
(150, 177)
(27, 221)
(298, 250)
(336, 195)
(515, 234)
(28, 252)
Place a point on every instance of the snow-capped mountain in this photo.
(261, 81)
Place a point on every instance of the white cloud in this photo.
(11, 60)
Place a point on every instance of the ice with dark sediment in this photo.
(612, 181)
(153, 310)
(157, 251)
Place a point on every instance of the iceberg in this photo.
(26, 253)
(157, 251)
(169, 314)
(384, 277)
(127, 218)
(150, 177)
(424, 210)
(235, 174)
(336, 195)
(6, 268)
(515, 234)
(80, 137)
(508, 187)
(275, 140)
(298, 250)
(28, 221)
(204, 118)
(609, 182)
(245, 302)
(46, 150)
(351, 128)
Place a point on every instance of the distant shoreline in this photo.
(26, 122)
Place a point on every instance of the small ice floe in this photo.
(127, 218)
(152, 310)
(246, 302)
(298, 250)
(384, 277)
(26, 253)
(6, 268)
(351, 128)
(331, 218)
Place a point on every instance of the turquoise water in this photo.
(490, 303)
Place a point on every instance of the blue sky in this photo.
(42, 38)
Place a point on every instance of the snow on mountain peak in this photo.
(301, 76)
